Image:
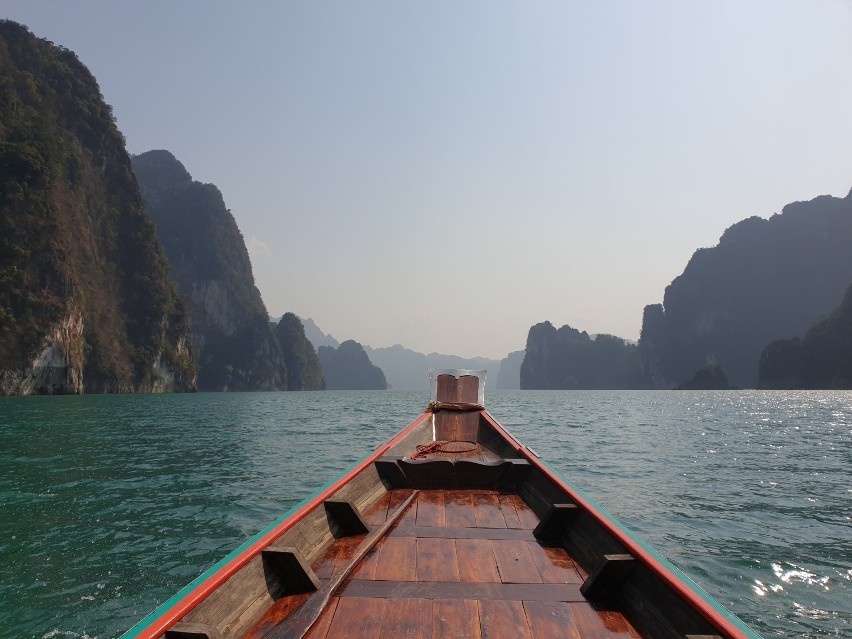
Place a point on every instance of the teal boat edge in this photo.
(164, 607)
(677, 572)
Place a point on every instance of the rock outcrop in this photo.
(237, 350)
(86, 304)
(303, 365)
(707, 378)
(821, 359)
(765, 280)
(569, 359)
(349, 368)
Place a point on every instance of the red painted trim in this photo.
(204, 589)
(706, 610)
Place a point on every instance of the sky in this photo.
(443, 175)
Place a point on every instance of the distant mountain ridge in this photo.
(409, 370)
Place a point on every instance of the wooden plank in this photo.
(476, 561)
(408, 619)
(182, 630)
(358, 618)
(459, 590)
(503, 620)
(462, 533)
(298, 624)
(436, 560)
(510, 513)
(276, 613)
(430, 508)
(367, 568)
(410, 515)
(345, 520)
(377, 514)
(397, 559)
(553, 564)
(458, 509)
(526, 515)
(556, 522)
(320, 629)
(514, 562)
(486, 510)
(608, 577)
(455, 619)
(551, 619)
(591, 624)
(292, 572)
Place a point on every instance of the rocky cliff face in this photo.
(85, 303)
(566, 358)
(237, 349)
(349, 368)
(765, 280)
(822, 358)
(303, 365)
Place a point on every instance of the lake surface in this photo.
(110, 504)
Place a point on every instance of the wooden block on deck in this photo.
(607, 579)
(555, 522)
(292, 571)
(516, 471)
(345, 518)
(391, 474)
(183, 630)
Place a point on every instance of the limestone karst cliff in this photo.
(347, 367)
(821, 359)
(237, 349)
(303, 365)
(86, 304)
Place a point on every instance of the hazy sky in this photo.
(445, 174)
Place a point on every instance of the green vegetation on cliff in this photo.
(303, 365)
(84, 286)
(236, 347)
(349, 368)
(820, 359)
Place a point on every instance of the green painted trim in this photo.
(677, 572)
(145, 622)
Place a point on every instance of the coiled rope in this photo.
(453, 446)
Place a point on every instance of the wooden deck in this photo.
(459, 563)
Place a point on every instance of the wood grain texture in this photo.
(455, 619)
(477, 563)
(430, 508)
(487, 512)
(458, 509)
(514, 562)
(551, 619)
(320, 629)
(503, 620)
(397, 559)
(436, 560)
(553, 564)
(592, 624)
(408, 619)
(358, 618)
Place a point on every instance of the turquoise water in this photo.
(110, 504)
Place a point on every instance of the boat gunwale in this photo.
(179, 605)
(701, 601)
